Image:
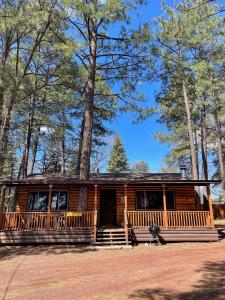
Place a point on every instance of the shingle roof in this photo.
(110, 179)
(107, 177)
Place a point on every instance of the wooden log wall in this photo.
(23, 191)
(185, 197)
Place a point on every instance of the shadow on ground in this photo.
(210, 287)
(8, 252)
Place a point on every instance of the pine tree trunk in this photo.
(80, 147)
(190, 132)
(25, 157)
(204, 152)
(196, 151)
(62, 144)
(204, 144)
(5, 120)
(1, 107)
(62, 155)
(4, 132)
(34, 152)
(36, 139)
(88, 117)
(220, 150)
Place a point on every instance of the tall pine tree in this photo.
(118, 162)
(141, 166)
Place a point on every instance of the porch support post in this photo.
(96, 197)
(125, 197)
(2, 198)
(95, 214)
(165, 219)
(210, 205)
(49, 204)
(125, 214)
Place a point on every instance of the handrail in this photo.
(42, 220)
(175, 219)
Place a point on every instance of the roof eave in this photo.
(110, 182)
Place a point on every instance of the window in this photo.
(153, 200)
(59, 201)
(38, 201)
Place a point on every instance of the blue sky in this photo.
(138, 139)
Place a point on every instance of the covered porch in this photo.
(75, 226)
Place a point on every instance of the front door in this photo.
(107, 207)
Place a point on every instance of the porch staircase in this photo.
(111, 237)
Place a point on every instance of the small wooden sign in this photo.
(74, 214)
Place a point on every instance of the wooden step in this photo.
(112, 243)
(110, 235)
(112, 238)
(110, 230)
(171, 235)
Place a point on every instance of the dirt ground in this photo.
(173, 271)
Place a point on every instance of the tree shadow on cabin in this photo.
(211, 286)
(8, 252)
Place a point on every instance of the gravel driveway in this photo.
(173, 271)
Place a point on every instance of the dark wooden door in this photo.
(107, 207)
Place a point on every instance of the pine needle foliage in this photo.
(118, 162)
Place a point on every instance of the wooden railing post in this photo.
(165, 216)
(49, 206)
(210, 206)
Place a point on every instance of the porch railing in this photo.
(43, 220)
(196, 219)
(169, 219)
(139, 219)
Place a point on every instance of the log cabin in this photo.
(120, 209)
